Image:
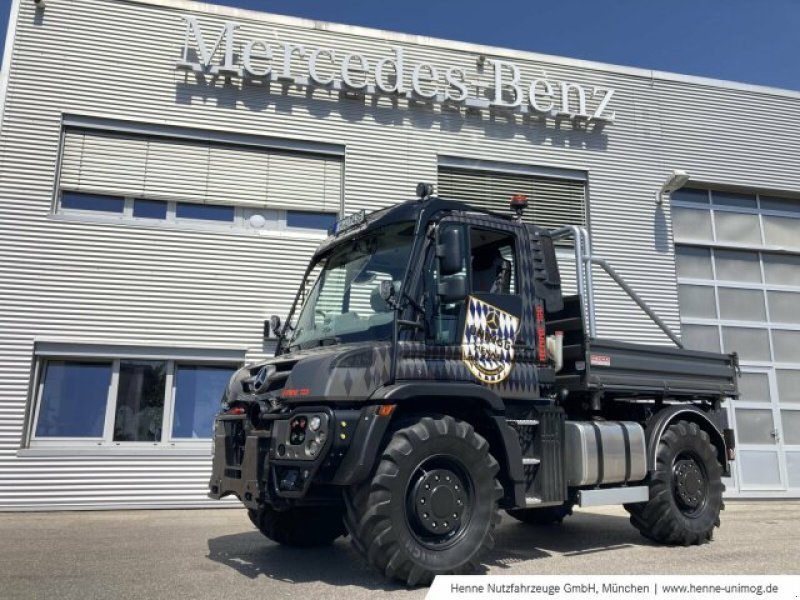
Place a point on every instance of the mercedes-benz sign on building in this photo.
(167, 168)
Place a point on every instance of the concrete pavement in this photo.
(217, 554)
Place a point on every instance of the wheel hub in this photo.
(439, 501)
(690, 483)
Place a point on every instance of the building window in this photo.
(150, 209)
(198, 389)
(93, 202)
(112, 402)
(310, 220)
(73, 399)
(178, 181)
(205, 212)
(140, 401)
(195, 215)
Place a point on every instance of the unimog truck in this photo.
(432, 372)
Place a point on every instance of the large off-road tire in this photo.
(302, 527)
(542, 516)
(431, 506)
(685, 489)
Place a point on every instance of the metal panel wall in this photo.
(82, 280)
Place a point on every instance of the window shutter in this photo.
(163, 168)
(552, 202)
(96, 162)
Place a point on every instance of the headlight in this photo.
(314, 423)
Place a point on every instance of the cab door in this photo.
(476, 325)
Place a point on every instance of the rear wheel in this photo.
(685, 489)
(431, 505)
(542, 516)
(299, 526)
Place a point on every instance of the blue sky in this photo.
(752, 41)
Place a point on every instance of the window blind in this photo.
(551, 202)
(196, 171)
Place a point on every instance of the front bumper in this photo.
(272, 464)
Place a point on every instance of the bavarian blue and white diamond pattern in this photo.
(488, 343)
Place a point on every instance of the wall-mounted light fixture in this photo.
(675, 181)
(39, 3)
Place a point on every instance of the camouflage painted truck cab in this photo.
(432, 372)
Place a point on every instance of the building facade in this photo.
(167, 168)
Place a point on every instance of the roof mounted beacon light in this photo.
(519, 202)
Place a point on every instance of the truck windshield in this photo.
(344, 304)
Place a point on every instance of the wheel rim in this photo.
(689, 483)
(439, 501)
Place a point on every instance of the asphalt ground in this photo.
(218, 554)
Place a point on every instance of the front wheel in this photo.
(431, 506)
(302, 527)
(685, 489)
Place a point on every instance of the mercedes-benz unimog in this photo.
(433, 372)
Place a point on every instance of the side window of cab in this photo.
(469, 260)
(493, 262)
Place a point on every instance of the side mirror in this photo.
(274, 325)
(450, 251)
(387, 292)
(452, 289)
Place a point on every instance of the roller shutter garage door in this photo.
(553, 202)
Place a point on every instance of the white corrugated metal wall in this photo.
(63, 279)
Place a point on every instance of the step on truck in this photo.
(433, 371)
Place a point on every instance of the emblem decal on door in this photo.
(488, 344)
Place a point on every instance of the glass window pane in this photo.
(790, 422)
(737, 227)
(784, 204)
(781, 231)
(788, 385)
(693, 262)
(198, 390)
(754, 387)
(700, 337)
(689, 224)
(140, 401)
(754, 426)
(742, 305)
(150, 209)
(731, 199)
(782, 269)
(697, 301)
(690, 195)
(787, 346)
(310, 220)
(737, 266)
(750, 343)
(77, 201)
(783, 307)
(759, 469)
(74, 396)
(206, 212)
(793, 469)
